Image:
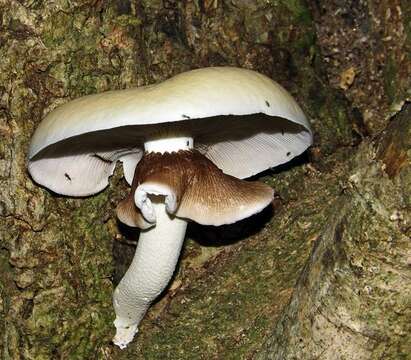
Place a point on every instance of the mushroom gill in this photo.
(194, 188)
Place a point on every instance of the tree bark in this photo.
(324, 273)
(352, 298)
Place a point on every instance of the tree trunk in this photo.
(324, 274)
(352, 298)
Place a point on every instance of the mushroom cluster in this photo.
(185, 145)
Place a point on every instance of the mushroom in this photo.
(185, 145)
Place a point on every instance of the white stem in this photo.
(169, 144)
(157, 252)
(152, 267)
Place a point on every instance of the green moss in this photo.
(299, 10)
(83, 269)
(57, 28)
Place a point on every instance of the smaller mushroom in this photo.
(168, 189)
(185, 144)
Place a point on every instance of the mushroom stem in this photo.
(152, 267)
(157, 251)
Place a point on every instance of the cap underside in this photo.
(239, 145)
(202, 192)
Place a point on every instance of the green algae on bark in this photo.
(74, 268)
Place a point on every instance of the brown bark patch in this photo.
(394, 159)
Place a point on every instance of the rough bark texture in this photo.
(325, 274)
(352, 300)
(365, 46)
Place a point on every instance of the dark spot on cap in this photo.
(185, 116)
(267, 103)
(67, 176)
(289, 153)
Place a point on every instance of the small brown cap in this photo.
(200, 190)
(129, 214)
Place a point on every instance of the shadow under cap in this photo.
(206, 132)
(239, 145)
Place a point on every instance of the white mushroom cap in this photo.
(76, 146)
